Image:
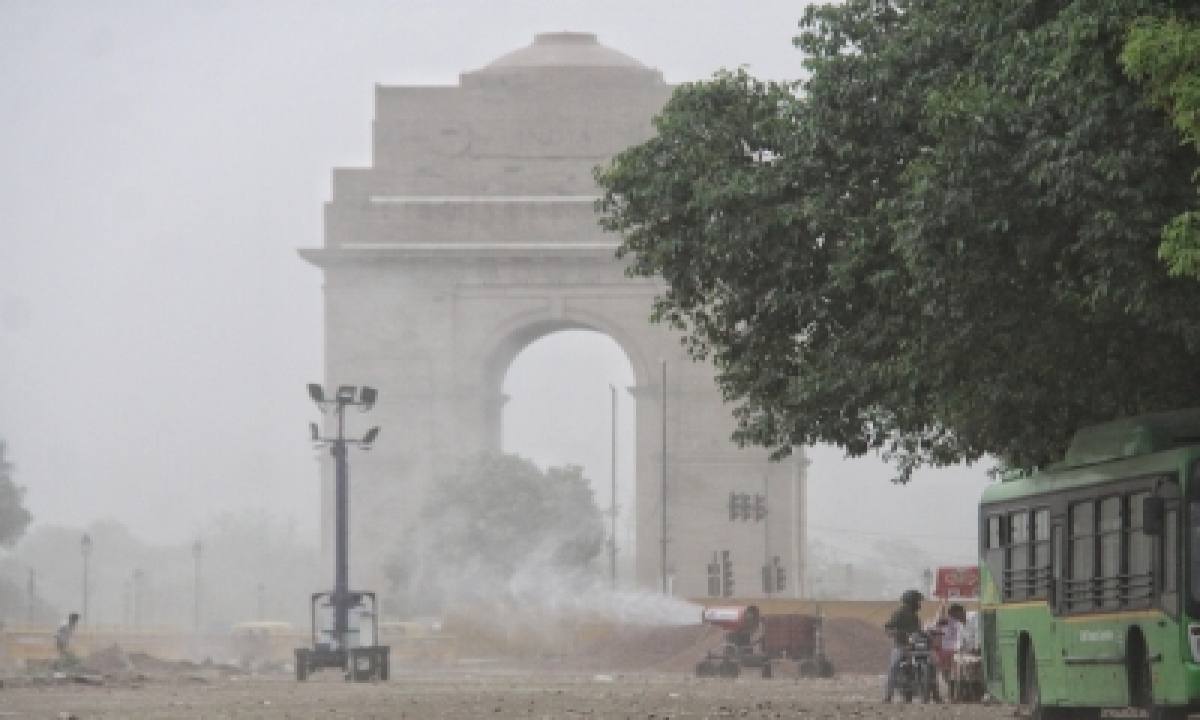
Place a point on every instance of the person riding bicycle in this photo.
(903, 622)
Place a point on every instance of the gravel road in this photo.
(496, 694)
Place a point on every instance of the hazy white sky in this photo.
(160, 162)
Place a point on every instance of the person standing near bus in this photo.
(903, 622)
(949, 640)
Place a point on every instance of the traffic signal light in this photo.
(726, 574)
(714, 577)
(741, 506)
(760, 507)
(780, 579)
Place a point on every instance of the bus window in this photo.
(1194, 543)
(1083, 550)
(1041, 554)
(993, 532)
(1110, 552)
(1141, 558)
(1170, 560)
(1170, 551)
(1016, 575)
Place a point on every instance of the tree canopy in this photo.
(1164, 55)
(499, 516)
(14, 518)
(942, 244)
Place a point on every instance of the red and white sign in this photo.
(957, 582)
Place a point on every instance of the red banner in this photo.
(957, 582)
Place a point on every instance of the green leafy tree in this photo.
(1164, 55)
(498, 518)
(940, 245)
(14, 518)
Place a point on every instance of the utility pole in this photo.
(613, 546)
(85, 546)
(32, 587)
(138, 598)
(663, 559)
(799, 523)
(767, 572)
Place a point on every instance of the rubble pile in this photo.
(115, 662)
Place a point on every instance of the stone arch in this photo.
(508, 340)
(493, 243)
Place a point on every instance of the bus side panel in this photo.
(1095, 652)
(1171, 670)
(1031, 623)
(1173, 674)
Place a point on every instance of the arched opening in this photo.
(559, 412)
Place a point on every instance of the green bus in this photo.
(1090, 574)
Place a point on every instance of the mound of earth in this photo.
(634, 648)
(113, 661)
(855, 647)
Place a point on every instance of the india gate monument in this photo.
(473, 234)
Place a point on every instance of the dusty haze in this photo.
(160, 163)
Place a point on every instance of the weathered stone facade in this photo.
(472, 235)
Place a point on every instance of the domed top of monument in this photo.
(563, 49)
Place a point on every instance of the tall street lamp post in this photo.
(85, 546)
(342, 599)
(138, 597)
(613, 542)
(663, 558)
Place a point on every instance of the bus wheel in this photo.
(1141, 684)
(1031, 693)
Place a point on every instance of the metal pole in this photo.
(613, 547)
(663, 559)
(85, 545)
(138, 598)
(32, 596)
(341, 586)
(770, 584)
(800, 524)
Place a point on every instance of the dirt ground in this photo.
(637, 672)
(485, 693)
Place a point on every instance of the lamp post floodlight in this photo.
(316, 393)
(342, 599)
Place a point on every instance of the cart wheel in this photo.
(824, 668)
(730, 669)
(703, 669)
(767, 672)
(301, 665)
